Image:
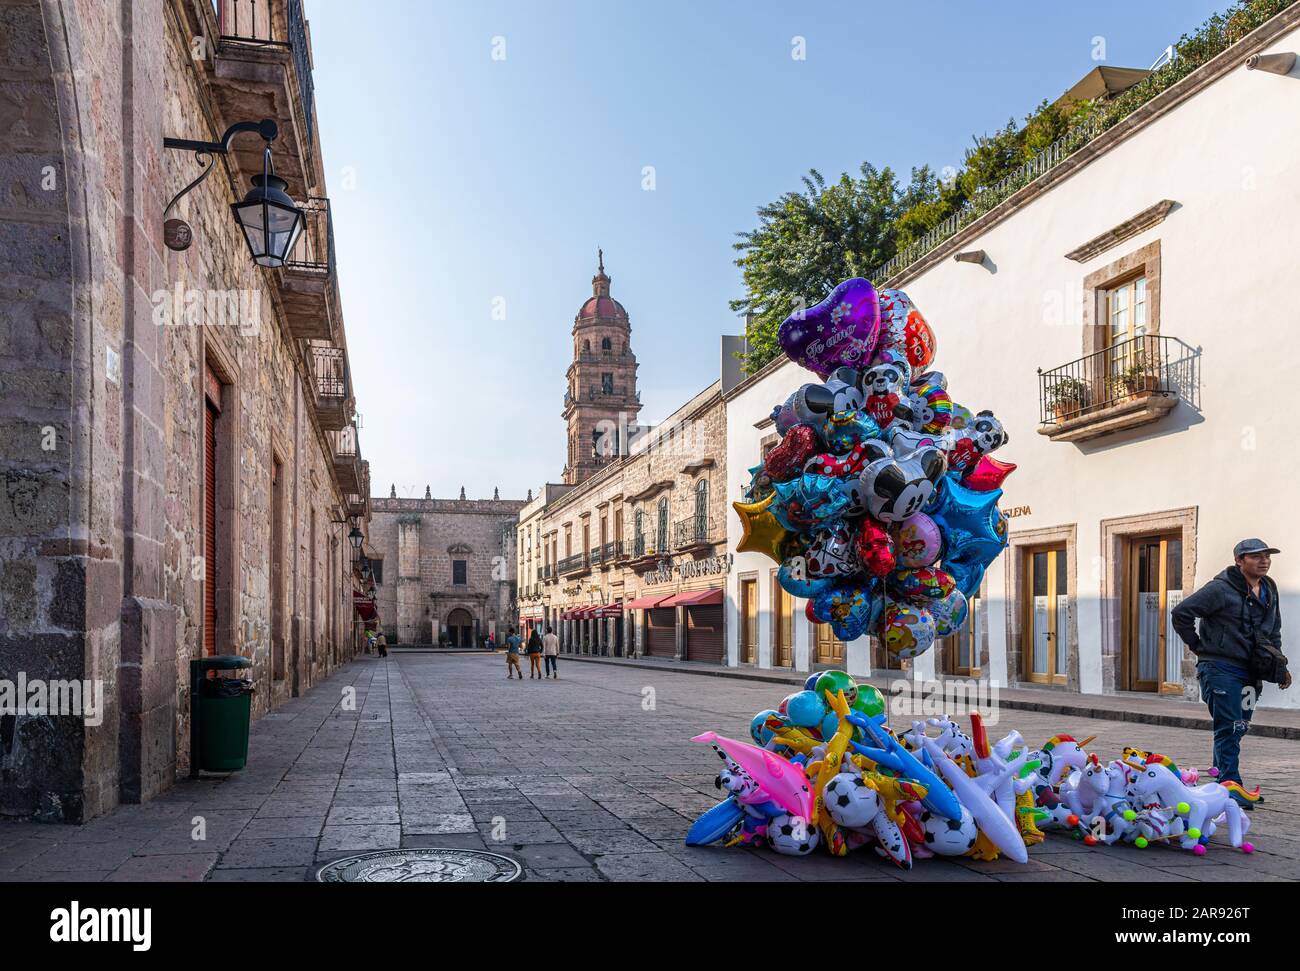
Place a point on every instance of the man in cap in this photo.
(1233, 608)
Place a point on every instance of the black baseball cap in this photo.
(1252, 546)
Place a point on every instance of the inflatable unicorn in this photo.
(1160, 779)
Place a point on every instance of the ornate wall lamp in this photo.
(268, 218)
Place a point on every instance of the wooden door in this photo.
(782, 626)
(748, 621)
(1153, 652)
(1047, 611)
(830, 649)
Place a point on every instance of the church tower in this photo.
(602, 402)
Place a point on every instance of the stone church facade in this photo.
(444, 568)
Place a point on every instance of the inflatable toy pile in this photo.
(824, 768)
(880, 503)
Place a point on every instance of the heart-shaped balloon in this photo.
(906, 629)
(841, 331)
(917, 541)
(918, 341)
(811, 614)
(787, 459)
(921, 585)
(949, 614)
(795, 579)
(988, 474)
(875, 548)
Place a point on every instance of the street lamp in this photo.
(268, 218)
(355, 538)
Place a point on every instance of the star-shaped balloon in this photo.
(974, 530)
(988, 474)
(761, 531)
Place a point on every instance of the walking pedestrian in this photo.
(551, 651)
(382, 642)
(513, 643)
(1236, 649)
(534, 651)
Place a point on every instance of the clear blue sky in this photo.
(457, 179)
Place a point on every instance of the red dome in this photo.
(601, 307)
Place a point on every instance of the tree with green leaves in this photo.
(807, 242)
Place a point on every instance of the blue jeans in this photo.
(1231, 700)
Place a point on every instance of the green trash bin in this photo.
(221, 708)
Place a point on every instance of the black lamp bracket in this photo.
(205, 152)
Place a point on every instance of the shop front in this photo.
(680, 611)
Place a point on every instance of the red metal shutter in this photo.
(704, 634)
(209, 528)
(661, 633)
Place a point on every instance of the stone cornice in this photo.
(1148, 217)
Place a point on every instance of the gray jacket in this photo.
(1228, 613)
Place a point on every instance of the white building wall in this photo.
(1230, 158)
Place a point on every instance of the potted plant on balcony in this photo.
(1137, 380)
(1066, 397)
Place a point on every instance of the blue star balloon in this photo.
(974, 531)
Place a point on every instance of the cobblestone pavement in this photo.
(580, 779)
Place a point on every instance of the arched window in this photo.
(661, 540)
(586, 347)
(606, 344)
(638, 533)
(701, 525)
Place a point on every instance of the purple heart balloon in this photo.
(841, 331)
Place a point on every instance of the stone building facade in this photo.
(631, 559)
(176, 453)
(445, 569)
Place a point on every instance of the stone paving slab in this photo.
(590, 783)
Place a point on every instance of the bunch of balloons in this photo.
(880, 501)
(824, 768)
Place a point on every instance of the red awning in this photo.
(365, 607)
(582, 613)
(694, 598)
(608, 610)
(644, 603)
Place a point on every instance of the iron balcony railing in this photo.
(1131, 369)
(693, 530)
(611, 551)
(572, 564)
(255, 23)
(331, 367)
(650, 546)
(314, 249)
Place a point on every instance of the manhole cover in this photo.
(422, 865)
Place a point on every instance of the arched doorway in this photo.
(460, 628)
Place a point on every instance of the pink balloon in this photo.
(918, 541)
